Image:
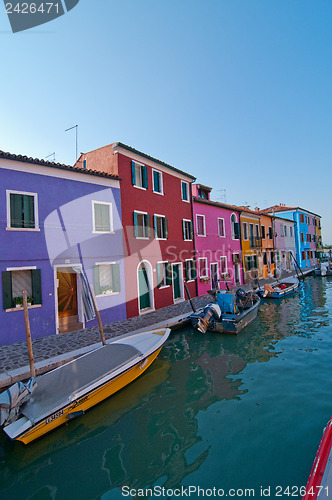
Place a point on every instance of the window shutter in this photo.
(186, 267)
(16, 210)
(145, 177)
(159, 275)
(133, 173)
(191, 230)
(96, 280)
(194, 270)
(116, 285)
(135, 225)
(155, 226)
(168, 274)
(28, 211)
(147, 218)
(7, 289)
(166, 227)
(236, 230)
(184, 229)
(36, 286)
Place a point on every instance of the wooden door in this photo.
(67, 294)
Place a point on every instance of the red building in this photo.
(156, 210)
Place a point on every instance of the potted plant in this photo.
(29, 301)
(18, 301)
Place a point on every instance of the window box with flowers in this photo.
(204, 280)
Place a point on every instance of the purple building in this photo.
(61, 232)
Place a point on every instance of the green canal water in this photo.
(243, 415)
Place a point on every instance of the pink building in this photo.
(217, 241)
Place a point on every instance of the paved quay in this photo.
(50, 352)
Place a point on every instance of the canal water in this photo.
(234, 416)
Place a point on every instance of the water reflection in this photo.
(142, 435)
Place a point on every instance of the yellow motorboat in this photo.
(68, 391)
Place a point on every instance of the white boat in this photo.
(68, 391)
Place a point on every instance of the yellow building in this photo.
(251, 245)
(267, 249)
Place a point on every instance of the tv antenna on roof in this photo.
(52, 154)
(222, 196)
(75, 126)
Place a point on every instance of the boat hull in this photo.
(87, 401)
(280, 294)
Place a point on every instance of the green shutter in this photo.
(159, 275)
(184, 229)
(16, 210)
(28, 211)
(184, 191)
(155, 226)
(147, 220)
(156, 181)
(194, 270)
(166, 227)
(36, 286)
(168, 274)
(116, 285)
(133, 173)
(96, 280)
(7, 289)
(145, 177)
(135, 225)
(186, 267)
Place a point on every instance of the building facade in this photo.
(156, 202)
(61, 232)
(217, 241)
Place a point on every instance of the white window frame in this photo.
(190, 222)
(206, 267)
(161, 217)
(245, 232)
(200, 235)
(94, 230)
(223, 257)
(138, 164)
(224, 229)
(107, 294)
(164, 262)
(188, 191)
(142, 237)
(192, 269)
(161, 182)
(35, 204)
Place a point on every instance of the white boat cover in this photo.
(12, 399)
(55, 389)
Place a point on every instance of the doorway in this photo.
(144, 287)
(67, 302)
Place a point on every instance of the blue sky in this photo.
(235, 92)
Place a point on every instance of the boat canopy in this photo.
(57, 388)
(226, 302)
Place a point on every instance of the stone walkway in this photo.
(50, 352)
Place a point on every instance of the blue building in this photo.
(307, 233)
(61, 232)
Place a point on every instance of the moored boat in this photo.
(279, 289)
(325, 269)
(320, 478)
(230, 313)
(68, 391)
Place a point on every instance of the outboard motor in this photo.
(211, 311)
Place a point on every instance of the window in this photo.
(107, 278)
(200, 222)
(263, 232)
(84, 163)
(157, 178)
(185, 191)
(250, 262)
(245, 230)
(290, 231)
(22, 210)
(142, 225)
(223, 265)
(282, 230)
(285, 230)
(160, 227)
(221, 227)
(203, 267)
(264, 259)
(102, 217)
(303, 255)
(272, 257)
(187, 227)
(190, 270)
(301, 218)
(139, 175)
(235, 227)
(257, 231)
(308, 237)
(164, 274)
(15, 281)
(302, 237)
(270, 233)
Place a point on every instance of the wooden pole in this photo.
(101, 329)
(28, 334)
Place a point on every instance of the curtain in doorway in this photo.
(88, 308)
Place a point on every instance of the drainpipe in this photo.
(194, 242)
